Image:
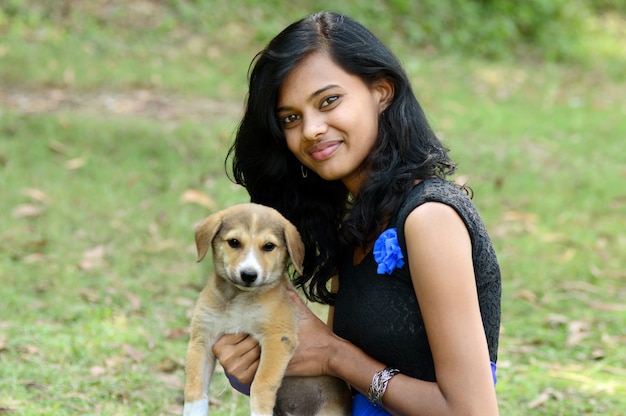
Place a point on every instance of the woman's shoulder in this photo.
(440, 190)
(434, 190)
(444, 192)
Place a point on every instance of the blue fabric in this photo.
(363, 407)
(387, 252)
(240, 387)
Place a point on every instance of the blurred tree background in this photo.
(589, 32)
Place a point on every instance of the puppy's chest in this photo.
(236, 317)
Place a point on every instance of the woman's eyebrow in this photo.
(322, 90)
(311, 97)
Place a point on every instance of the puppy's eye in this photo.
(234, 243)
(269, 246)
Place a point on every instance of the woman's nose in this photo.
(313, 127)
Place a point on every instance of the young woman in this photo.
(334, 138)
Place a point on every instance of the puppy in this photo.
(247, 293)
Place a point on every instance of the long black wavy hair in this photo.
(330, 221)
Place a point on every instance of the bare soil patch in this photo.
(140, 102)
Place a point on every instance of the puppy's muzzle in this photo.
(248, 277)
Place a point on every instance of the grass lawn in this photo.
(113, 133)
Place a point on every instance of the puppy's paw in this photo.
(197, 408)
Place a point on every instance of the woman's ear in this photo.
(385, 90)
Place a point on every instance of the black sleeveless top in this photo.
(380, 314)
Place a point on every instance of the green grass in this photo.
(100, 195)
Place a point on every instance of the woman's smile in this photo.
(323, 150)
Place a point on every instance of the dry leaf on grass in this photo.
(29, 350)
(515, 223)
(169, 365)
(197, 197)
(134, 353)
(97, 371)
(134, 300)
(608, 307)
(546, 395)
(28, 211)
(34, 258)
(33, 385)
(92, 258)
(578, 330)
(57, 147)
(174, 333)
(188, 302)
(160, 246)
(597, 354)
(36, 195)
(76, 163)
(89, 295)
(526, 295)
(214, 401)
(171, 381)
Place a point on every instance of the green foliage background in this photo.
(537, 29)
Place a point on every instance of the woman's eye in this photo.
(330, 100)
(289, 119)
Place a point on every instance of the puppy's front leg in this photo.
(276, 352)
(199, 367)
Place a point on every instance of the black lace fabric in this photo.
(380, 313)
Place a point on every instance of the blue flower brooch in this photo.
(387, 252)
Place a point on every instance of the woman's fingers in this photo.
(314, 339)
(239, 355)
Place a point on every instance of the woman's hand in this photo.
(315, 341)
(239, 355)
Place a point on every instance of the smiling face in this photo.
(330, 118)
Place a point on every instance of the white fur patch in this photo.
(197, 408)
(251, 262)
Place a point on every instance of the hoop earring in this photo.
(304, 171)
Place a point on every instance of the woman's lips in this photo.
(323, 150)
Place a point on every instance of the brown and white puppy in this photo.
(247, 293)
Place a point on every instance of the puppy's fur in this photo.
(247, 293)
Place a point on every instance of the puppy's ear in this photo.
(295, 246)
(206, 232)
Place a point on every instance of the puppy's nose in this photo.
(248, 276)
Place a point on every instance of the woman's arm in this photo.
(445, 285)
(440, 259)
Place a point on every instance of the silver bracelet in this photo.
(379, 385)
